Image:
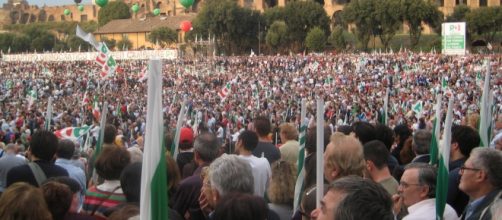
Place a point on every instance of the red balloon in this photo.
(186, 26)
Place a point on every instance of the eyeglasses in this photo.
(406, 185)
(464, 168)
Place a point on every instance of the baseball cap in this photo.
(186, 135)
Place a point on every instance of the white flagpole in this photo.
(179, 124)
(319, 152)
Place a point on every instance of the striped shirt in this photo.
(99, 200)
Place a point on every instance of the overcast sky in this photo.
(50, 2)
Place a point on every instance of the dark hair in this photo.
(262, 126)
(44, 145)
(364, 131)
(403, 131)
(111, 162)
(249, 139)
(241, 206)
(345, 129)
(68, 181)
(110, 133)
(427, 175)
(58, 197)
(385, 134)
(206, 146)
(130, 182)
(376, 152)
(466, 137)
(66, 148)
(364, 199)
(311, 138)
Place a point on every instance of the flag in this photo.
(436, 127)
(418, 108)
(444, 159)
(143, 75)
(385, 107)
(48, 115)
(106, 61)
(99, 143)
(319, 152)
(85, 99)
(225, 91)
(31, 97)
(179, 124)
(153, 201)
(479, 79)
(72, 133)
(489, 46)
(87, 37)
(444, 83)
(299, 187)
(484, 120)
(95, 108)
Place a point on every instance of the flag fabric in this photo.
(444, 83)
(385, 107)
(179, 124)
(106, 61)
(484, 114)
(99, 143)
(85, 99)
(31, 97)
(95, 108)
(87, 37)
(153, 201)
(72, 133)
(418, 108)
(479, 79)
(436, 127)
(48, 115)
(319, 152)
(299, 187)
(143, 75)
(225, 91)
(444, 159)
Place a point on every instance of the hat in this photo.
(186, 135)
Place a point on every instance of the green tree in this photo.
(388, 16)
(21, 43)
(300, 17)
(273, 14)
(459, 13)
(110, 43)
(113, 10)
(417, 12)
(316, 39)
(43, 42)
(6, 41)
(336, 39)
(485, 22)
(362, 14)
(124, 44)
(74, 43)
(163, 35)
(277, 35)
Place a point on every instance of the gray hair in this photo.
(206, 145)
(427, 175)
(421, 141)
(490, 161)
(10, 147)
(230, 174)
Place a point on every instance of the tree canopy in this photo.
(113, 10)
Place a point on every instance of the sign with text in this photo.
(453, 38)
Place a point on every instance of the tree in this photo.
(336, 39)
(361, 13)
(277, 35)
(459, 13)
(74, 43)
(124, 44)
(21, 43)
(300, 17)
(417, 12)
(316, 39)
(273, 14)
(388, 16)
(43, 42)
(485, 22)
(163, 35)
(110, 43)
(113, 10)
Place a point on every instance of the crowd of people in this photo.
(238, 145)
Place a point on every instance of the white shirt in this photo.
(261, 173)
(426, 209)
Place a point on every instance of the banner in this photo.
(453, 38)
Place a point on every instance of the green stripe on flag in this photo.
(434, 145)
(158, 188)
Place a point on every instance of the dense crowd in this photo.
(258, 119)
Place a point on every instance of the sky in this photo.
(50, 2)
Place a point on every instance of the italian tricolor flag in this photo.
(153, 202)
(72, 132)
(95, 108)
(223, 93)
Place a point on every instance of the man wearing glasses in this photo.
(481, 180)
(416, 192)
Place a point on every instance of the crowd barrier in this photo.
(76, 56)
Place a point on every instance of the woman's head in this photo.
(22, 201)
(282, 184)
(111, 162)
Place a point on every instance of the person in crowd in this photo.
(43, 147)
(7, 162)
(58, 197)
(310, 152)
(109, 165)
(402, 133)
(109, 136)
(417, 191)
(481, 180)
(244, 147)
(66, 149)
(353, 197)
(265, 148)
(344, 156)
(23, 201)
(186, 199)
(385, 134)
(363, 131)
(185, 156)
(282, 189)
(376, 156)
(290, 146)
(241, 206)
(421, 145)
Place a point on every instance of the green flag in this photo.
(444, 159)
(299, 187)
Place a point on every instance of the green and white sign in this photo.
(453, 38)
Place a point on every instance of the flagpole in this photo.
(484, 110)
(48, 115)
(319, 152)
(301, 156)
